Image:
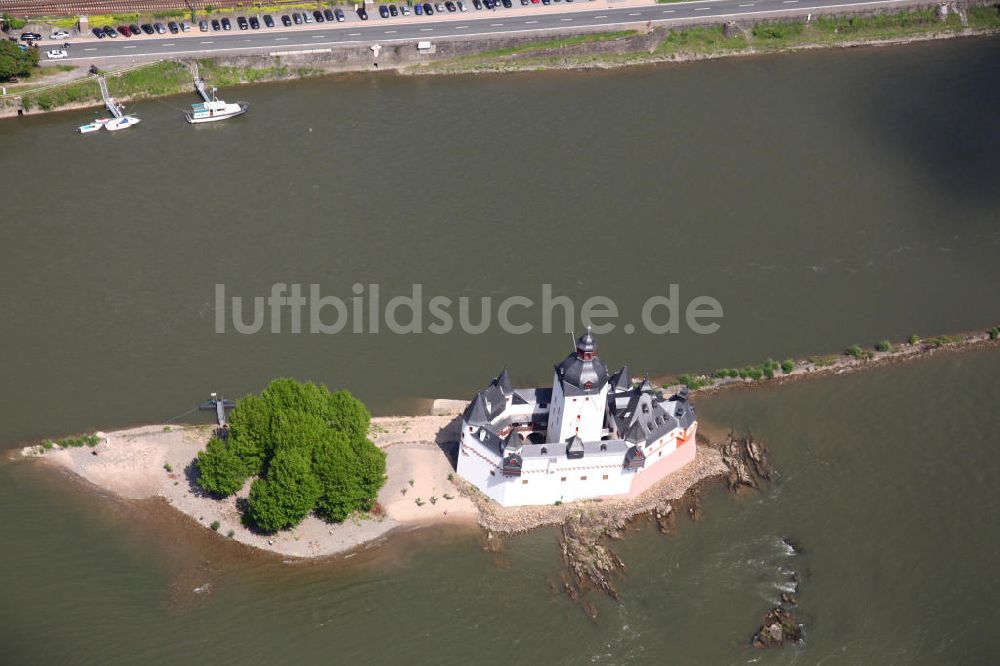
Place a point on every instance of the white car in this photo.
(59, 34)
(56, 54)
(185, 27)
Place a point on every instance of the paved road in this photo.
(519, 20)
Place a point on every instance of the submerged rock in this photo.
(780, 627)
(747, 462)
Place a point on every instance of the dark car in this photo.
(285, 21)
(339, 13)
(328, 15)
(241, 21)
(98, 32)
(254, 23)
(489, 4)
(383, 11)
(134, 29)
(428, 9)
(268, 21)
(318, 15)
(418, 9)
(215, 25)
(110, 32)
(362, 13)
(227, 24)
(450, 6)
(148, 29)
(393, 11)
(124, 31)
(297, 18)
(160, 28)
(507, 4)
(477, 4)
(30, 37)
(173, 27)
(203, 25)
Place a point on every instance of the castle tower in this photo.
(579, 394)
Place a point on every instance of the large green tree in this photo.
(287, 494)
(14, 61)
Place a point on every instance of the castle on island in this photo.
(591, 435)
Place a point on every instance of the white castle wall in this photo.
(581, 415)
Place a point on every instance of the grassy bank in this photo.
(696, 42)
(158, 80)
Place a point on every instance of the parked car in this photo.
(404, 10)
(525, 2)
(254, 23)
(268, 21)
(339, 13)
(227, 24)
(328, 15)
(306, 17)
(507, 4)
(110, 32)
(418, 9)
(148, 28)
(241, 21)
(216, 26)
(489, 4)
(362, 13)
(134, 29)
(173, 27)
(185, 26)
(462, 7)
(124, 31)
(160, 28)
(297, 18)
(477, 4)
(203, 25)
(98, 32)
(285, 21)
(450, 6)
(59, 34)
(393, 11)
(30, 37)
(428, 10)
(383, 11)
(439, 8)
(56, 54)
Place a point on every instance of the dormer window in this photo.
(588, 385)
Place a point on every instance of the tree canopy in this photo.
(308, 446)
(14, 61)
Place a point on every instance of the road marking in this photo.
(461, 27)
(565, 19)
(353, 34)
(389, 32)
(128, 47)
(168, 44)
(635, 14)
(602, 16)
(281, 39)
(530, 22)
(90, 49)
(668, 11)
(496, 25)
(788, 2)
(749, 4)
(421, 30)
(318, 36)
(702, 9)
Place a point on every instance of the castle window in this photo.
(492, 473)
(583, 478)
(524, 481)
(605, 477)
(604, 447)
(544, 451)
(588, 385)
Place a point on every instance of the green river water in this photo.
(823, 199)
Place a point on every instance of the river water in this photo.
(823, 199)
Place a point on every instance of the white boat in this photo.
(215, 109)
(90, 127)
(121, 123)
(102, 121)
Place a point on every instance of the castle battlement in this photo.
(590, 435)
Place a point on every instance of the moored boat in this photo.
(121, 123)
(215, 109)
(89, 127)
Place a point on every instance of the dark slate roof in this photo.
(574, 447)
(645, 386)
(475, 413)
(681, 408)
(486, 406)
(621, 381)
(646, 418)
(575, 373)
(513, 441)
(587, 342)
(503, 381)
(537, 396)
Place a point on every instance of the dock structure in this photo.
(221, 407)
(109, 101)
(199, 84)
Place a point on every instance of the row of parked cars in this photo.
(133, 30)
(287, 20)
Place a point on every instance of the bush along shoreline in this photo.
(852, 359)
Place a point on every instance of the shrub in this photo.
(769, 368)
(883, 346)
(215, 525)
(48, 444)
(12, 23)
(231, 533)
(168, 467)
(167, 428)
(995, 333)
(914, 339)
(787, 365)
(220, 470)
(693, 382)
(855, 351)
